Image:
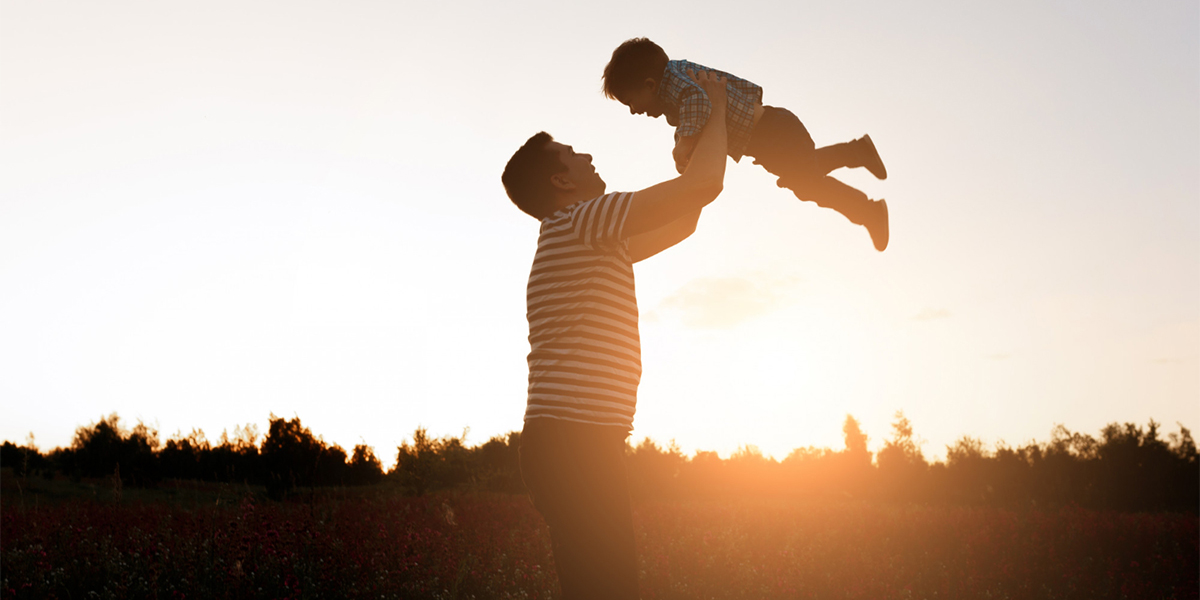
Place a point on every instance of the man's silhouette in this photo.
(585, 353)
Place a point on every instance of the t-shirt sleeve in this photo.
(600, 222)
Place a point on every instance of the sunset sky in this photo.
(211, 212)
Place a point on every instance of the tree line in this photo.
(1127, 467)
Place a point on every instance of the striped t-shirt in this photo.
(585, 357)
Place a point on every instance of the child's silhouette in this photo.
(642, 77)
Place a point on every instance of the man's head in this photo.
(544, 176)
(632, 75)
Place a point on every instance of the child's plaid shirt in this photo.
(687, 99)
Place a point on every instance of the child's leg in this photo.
(780, 142)
(780, 138)
(828, 192)
(782, 146)
(856, 153)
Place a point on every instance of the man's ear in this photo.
(651, 84)
(562, 182)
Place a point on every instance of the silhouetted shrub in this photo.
(25, 461)
(903, 470)
(105, 449)
(1128, 468)
(654, 471)
(290, 456)
(432, 463)
(498, 463)
(364, 467)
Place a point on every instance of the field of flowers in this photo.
(381, 545)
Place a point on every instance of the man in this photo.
(585, 352)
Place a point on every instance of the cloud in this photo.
(929, 314)
(722, 302)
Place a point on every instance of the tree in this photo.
(181, 457)
(365, 468)
(290, 455)
(967, 466)
(902, 465)
(331, 466)
(105, 449)
(236, 459)
(654, 471)
(498, 463)
(428, 463)
(856, 442)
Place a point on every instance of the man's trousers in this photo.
(575, 474)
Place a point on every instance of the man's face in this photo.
(642, 100)
(579, 169)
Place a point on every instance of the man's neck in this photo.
(574, 198)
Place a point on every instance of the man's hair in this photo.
(633, 62)
(527, 176)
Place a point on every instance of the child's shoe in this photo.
(869, 157)
(876, 222)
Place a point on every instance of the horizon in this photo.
(874, 444)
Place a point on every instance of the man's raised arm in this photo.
(669, 201)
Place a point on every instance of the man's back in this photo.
(585, 352)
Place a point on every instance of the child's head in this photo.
(632, 75)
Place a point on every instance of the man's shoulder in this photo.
(607, 197)
(568, 213)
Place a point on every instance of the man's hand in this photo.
(683, 152)
(682, 197)
(715, 86)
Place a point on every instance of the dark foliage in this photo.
(25, 460)
(433, 463)
(1127, 468)
(106, 449)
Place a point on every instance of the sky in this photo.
(214, 212)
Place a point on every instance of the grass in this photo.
(64, 539)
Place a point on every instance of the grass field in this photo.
(65, 540)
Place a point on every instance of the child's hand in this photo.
(683, 152)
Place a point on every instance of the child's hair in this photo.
(633, 62)
(527, 176)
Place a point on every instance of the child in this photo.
(640, 76)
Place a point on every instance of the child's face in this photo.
(642, 100)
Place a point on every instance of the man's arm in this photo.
(694, 110)
(695, 107)
(682, 153)
(650, 243)
(660, 205)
